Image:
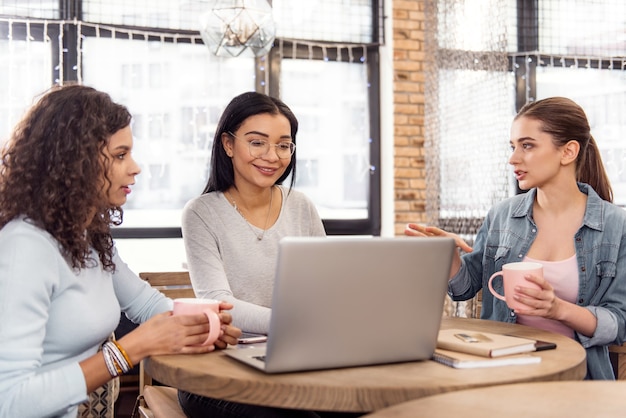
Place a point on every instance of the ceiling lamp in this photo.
(239, 27)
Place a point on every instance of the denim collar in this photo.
(593, 219)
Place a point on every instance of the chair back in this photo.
(173, 284)
(160, 402)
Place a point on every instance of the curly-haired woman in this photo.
(64, 175)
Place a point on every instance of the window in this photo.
(579, 41)
(26, 69)
(469, 108)
(149, 56)
(176, 92)
(335, 135)
(493, 57)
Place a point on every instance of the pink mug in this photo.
(210, 307)
(513, 275)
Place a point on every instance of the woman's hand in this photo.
(180, 334)
(417, 230)
(541, 302)
(230, 333)
(167, 334)
(544, 303)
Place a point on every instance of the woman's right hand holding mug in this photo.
(166, 333)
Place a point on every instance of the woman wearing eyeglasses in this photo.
(231, 231)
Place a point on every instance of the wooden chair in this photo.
(478, 304)
(162, 401)
(173, 284)
(619, 351)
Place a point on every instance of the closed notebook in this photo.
(483, 344)
(470, 361)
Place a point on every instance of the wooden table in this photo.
(363, 389)
(522, 400)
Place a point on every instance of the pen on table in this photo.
(467, 338)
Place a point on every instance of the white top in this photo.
(52, 317)
(226, 260)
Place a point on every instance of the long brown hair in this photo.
(565, 121)
(53, 171)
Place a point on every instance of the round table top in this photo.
(364, 389)
(537, 400)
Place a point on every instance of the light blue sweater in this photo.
(52, 317)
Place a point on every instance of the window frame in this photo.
(267, 82)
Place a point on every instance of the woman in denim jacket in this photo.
(566, 222)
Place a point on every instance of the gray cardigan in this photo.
(226, 260)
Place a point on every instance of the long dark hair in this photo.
(239, 109)
(565, 121)
(54, 170)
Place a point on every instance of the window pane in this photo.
(176, 93)
(165, 14)
(473, 176)
(333, 136)
(602, 94)
(582, 27)
(325, 20)
(474, 25)
(41, 9)
(25, 71)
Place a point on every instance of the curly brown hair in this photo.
(53, 171)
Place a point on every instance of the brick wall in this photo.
(408, 89)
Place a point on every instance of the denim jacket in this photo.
(506, 236)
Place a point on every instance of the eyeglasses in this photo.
(260, 147)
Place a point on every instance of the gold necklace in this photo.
(269, 212)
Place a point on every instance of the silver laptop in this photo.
(353, 301)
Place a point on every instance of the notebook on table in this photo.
(486, 344)
(353, 301)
